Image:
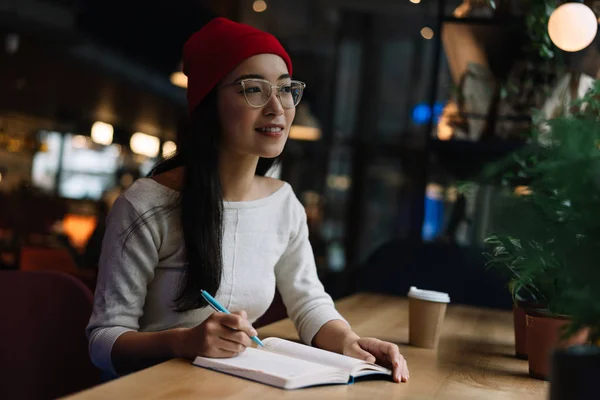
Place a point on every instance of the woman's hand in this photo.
(219, 336)
(384, 353)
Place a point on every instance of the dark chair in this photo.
(43, 346)
(36, 258)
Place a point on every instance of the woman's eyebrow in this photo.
(257, 76)
(249, 76)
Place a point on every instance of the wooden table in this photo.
(475, 360)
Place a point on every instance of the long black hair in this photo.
(200, 203)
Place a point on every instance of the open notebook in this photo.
(291, 365)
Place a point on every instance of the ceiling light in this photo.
(427, 33)
(144, 144)
(259, 6)
(572, 27)
(102, 133)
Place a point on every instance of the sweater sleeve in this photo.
(307, 303)
(126, 266)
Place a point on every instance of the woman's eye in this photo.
(253, 89)
(286, 89)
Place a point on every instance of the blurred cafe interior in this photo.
(408, 102)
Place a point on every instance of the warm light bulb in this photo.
(415, 1)
(299, 132)
(427, 33)
(259, 5)
(102, 133)
(179, 79)
(572, 27)
(169, 148)
(144, 144)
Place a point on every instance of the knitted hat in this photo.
(217, 48)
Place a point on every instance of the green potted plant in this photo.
(548, 239)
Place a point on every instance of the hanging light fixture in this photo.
(259, 6)
(572, 26)
(305, 126)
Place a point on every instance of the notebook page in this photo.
(309, 353)
(259, 362)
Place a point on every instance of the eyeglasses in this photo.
(257, 92)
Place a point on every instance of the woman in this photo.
(208, 219)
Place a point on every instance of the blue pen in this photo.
(219, 308)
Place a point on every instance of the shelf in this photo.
(466, 159)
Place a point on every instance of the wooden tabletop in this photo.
(475, 360)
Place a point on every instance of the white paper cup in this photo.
(427, 310)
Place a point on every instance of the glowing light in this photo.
(427, 33)
(102, 133)
(299, 132)
(421, 114)
(523, 191)
(178, 78)
(572, 26)
(169, 148)
(144, 144)
(339, 182)
(259, 6)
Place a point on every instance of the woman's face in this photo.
(258, 131)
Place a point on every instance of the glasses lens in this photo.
(291, 94)
(257, 92)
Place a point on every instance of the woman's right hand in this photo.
(219, 336)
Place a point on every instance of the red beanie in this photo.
(217, 48)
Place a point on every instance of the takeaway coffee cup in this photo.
(426, 310)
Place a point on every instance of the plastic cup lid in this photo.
(428, 295)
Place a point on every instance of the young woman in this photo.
(209, 219)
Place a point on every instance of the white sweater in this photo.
(265, 243)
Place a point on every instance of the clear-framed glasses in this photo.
(258, 92)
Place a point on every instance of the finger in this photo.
(232, 335)
(391, 357)
(358, 352)
(371, 345)
(406, 372)
(392, 353)
(229, 346)
(238, 322)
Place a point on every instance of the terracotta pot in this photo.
(520, 324)
(543, 337)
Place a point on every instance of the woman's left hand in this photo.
(384, 353)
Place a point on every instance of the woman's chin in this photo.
(271, 152)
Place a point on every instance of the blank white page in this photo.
(260, 362)
(304, 352)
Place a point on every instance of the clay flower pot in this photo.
(543, 337)
(520, 324)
